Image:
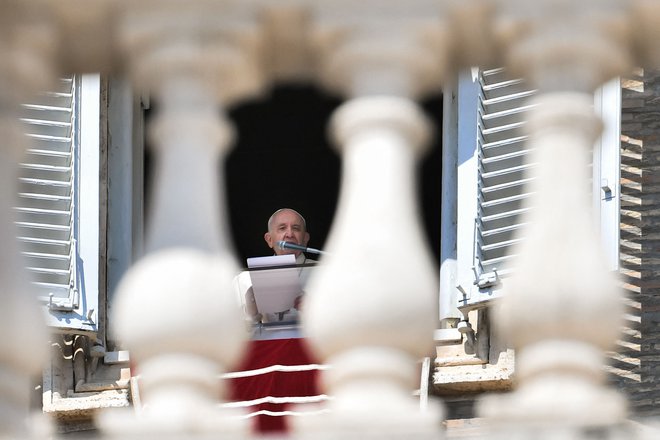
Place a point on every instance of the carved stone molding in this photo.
(381, 48)
(560, 44)
(218, 43)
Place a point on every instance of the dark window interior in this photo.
(282, 158)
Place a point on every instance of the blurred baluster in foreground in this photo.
(370, 311)
(562, 309)
(176, 311)
(25, 67)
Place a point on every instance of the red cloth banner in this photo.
(267, 353)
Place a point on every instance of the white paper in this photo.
(275, 290)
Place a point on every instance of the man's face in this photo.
(286, 226)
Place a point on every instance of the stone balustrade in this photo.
(372, 324)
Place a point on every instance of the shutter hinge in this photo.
(66, 305)
(487, 279)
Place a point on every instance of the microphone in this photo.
(287, 245)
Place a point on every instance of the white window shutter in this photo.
(495, 176)
(48, 211)
(492, 178)
(46, 195)
(502, 173)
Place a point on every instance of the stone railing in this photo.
(199, 56)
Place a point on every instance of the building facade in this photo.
(546, 191)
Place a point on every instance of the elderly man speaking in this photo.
(289, 226)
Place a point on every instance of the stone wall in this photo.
(635, 367)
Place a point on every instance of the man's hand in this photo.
(298, 302)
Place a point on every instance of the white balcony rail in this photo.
(176, 311)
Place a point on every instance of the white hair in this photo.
(272, 217)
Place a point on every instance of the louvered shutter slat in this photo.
(48, 129)
(27, 232)
(48, 187)
(50, 145)
(42, 216)
(44, 201)
(48, 261)
(49, 157)
(47, 112)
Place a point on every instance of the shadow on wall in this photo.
(635, 366)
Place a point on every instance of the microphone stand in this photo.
(286, 245)
(315, 251)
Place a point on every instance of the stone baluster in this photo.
(562, 308)
(23, 345)
(176, 311)
(645, 27)
(26, 66)
(371, 309)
